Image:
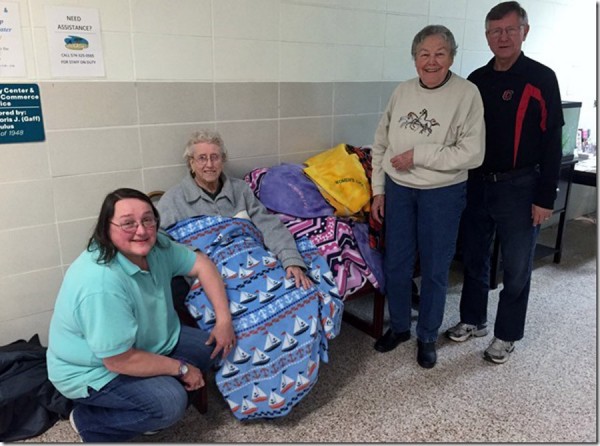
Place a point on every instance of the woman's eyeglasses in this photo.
(132, 226)
(203, 159)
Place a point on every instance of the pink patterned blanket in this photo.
(335, 240)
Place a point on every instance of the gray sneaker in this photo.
(499, 351)
(461, 331)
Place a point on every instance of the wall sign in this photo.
(12, 57)
(75, 42)
(20, 113)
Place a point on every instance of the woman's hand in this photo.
(378, 208)
(141, 363)
(223, 336)
(299, 277)
(193, 379)
(404, 161)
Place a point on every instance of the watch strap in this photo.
(183, 369)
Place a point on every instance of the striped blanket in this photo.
(351, 259)
(282, 331)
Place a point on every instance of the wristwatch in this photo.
(183, 369)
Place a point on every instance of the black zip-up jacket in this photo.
(524, 119)
(29, 403)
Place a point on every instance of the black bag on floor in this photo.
(29, 403)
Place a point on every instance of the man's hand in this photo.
(540, 215)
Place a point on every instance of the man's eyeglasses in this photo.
(132, 226)
(511, 31)
(203, 159)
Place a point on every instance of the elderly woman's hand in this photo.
(224, 338)
(378, 208)
(299, 277)
(404, 161)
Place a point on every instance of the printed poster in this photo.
(12, 57)
(74, 42)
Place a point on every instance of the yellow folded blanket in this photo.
(333, 154)
(341, 180)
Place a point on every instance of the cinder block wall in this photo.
(280, 79)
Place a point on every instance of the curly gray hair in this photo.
(434, 30)
(206, 136)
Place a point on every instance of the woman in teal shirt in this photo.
(116, 346)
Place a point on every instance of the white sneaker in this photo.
(72, 422)
(461, 331)
(499, 351)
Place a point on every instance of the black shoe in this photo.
(426, 355)
(390, 340)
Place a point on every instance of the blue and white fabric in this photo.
(282, 331)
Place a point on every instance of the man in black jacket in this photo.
(514, 190)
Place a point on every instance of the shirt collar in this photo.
(192, 192)
(517, 67)
(127, 265)
(444, 82)
(131, 268)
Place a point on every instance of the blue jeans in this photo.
(503, 209)
(426, 220)
(128, 405)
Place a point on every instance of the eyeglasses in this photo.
(511, 31)
(203, 159)
(132, 226)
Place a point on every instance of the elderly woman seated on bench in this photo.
(207, 190)
(282, 318)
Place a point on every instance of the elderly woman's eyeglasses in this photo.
(132, 226)
(203, 159)
(511, 31)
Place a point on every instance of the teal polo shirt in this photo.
(103, 310)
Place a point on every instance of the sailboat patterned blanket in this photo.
(282, 331)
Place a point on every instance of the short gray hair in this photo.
(204, 136)
(501, 10)
(434, 30)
